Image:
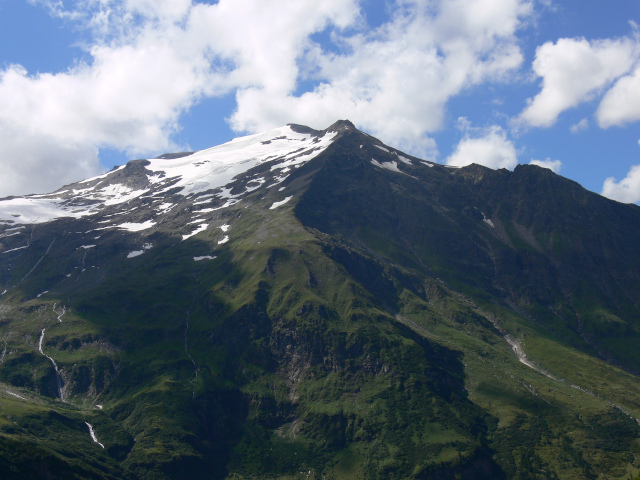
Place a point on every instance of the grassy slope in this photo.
(296, 367)
(295, 364)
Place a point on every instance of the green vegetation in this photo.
(374, 342)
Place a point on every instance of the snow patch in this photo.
(382, 148)
(136, 227)
(260, 181)
(15, 249)
(165, 207)
(4, 235)
(224, 227)
(15, 395)
(204, 199)
(393, 166)
(487, 220)
(204, 257)
(228, 203)
(116, 194)
(405, 159)
(279, 204)
(31, 210)
(86, 247)
(278, 180)
(224, 240)
(201, 228)
(137, 253)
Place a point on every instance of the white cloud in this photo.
(124, 100)
(621, 104)
(452, 44)
(554, 165)
(626, 190)
(30, 162)
(581, 125)
(572, 71)
(493, 149)
(149, 61)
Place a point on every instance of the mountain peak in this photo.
(337, 127)
(316, 301)
(223, 174)
(341, 126)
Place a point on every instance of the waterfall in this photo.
(55, 366)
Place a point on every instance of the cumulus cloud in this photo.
(375, 82)
(554, 165)
(125, 100)
(626, 190)
(581, 125)
(492, 149)
(29, 163)
(572, 71)
(148, 62)
(621, 104)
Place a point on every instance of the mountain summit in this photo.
(316, 304)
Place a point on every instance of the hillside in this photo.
(316, 304)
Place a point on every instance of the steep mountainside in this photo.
(316, 304)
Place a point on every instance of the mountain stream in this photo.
(55, 366)
(93, 434)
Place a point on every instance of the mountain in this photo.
(317, 304)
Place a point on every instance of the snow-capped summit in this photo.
(212, 173)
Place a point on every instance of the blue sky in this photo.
(88, 84)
